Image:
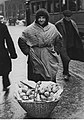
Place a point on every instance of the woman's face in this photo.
(41, 20)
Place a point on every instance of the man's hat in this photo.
(67, 13)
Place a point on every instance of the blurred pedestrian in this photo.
(38, 42)
(7, 52)
(71, 40)
(10, 20)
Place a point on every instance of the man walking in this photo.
(71, 40)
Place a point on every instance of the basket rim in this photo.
(37, 102)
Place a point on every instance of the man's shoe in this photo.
(69, 75)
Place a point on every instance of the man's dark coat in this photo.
(7, 50)
(76, 52)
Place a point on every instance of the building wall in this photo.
(1, 9)
(14, 8)
(82, 4)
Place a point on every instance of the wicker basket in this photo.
(38, 109)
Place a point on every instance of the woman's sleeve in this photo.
(23, 46)
(59, 47)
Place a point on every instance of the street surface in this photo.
(71, 104)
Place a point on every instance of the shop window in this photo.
(9, 13)
(80, 4)
(44, 4)
(9, 7)
(20, 6)
(50, 6)
(63, 5)
(38, 5)
(33, 8)
(72, 5)
(14, 7)
(56, 6)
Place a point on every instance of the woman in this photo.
(39, 41)
(7, 52)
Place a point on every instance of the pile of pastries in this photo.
(42, 91)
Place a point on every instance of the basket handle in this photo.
(28, 85)
(36, 89)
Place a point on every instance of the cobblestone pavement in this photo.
(71, 104)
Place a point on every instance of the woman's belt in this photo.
(42, 46)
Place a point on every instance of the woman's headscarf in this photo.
(42, 12)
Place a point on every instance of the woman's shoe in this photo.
(66, 77)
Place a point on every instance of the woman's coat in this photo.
(41, 43)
